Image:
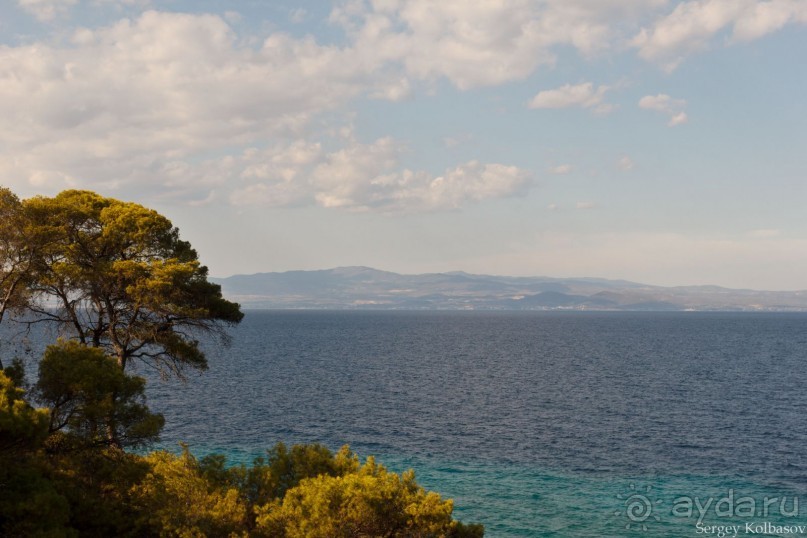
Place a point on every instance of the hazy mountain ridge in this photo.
(366, 288)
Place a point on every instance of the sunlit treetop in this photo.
(117, 275)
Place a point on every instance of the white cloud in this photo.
(667, 105)
(585, 205)
(625, 163)
(472, 181)
(46, 10)
(693, 24)
(117, 105)
(394, 90)
(581, 95)
(561, 169)
(486, 42)
(661, 102)
(766, 17)
(678, 119)
(130, 105)
(364, 177)
(491, 42)
(138, 105)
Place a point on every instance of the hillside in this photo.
(367, 288)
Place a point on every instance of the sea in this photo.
(536, 424)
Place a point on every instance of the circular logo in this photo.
(638, 507)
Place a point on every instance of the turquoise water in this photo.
(536, 424)
(522, 501)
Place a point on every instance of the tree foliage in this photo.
(29, 502)
(92, 399)
(308, 492)
(15, 253)
(123, 280)
(22, 428)
(95, 483)
(176, 500)
(370, 501)
(283, 468)
(18, 248)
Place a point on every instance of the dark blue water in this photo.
(537, 424)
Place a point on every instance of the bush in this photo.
(370, 501)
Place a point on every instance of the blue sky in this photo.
(658, 141)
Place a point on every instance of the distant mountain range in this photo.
(366, 288)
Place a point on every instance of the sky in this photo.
(658, 141)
